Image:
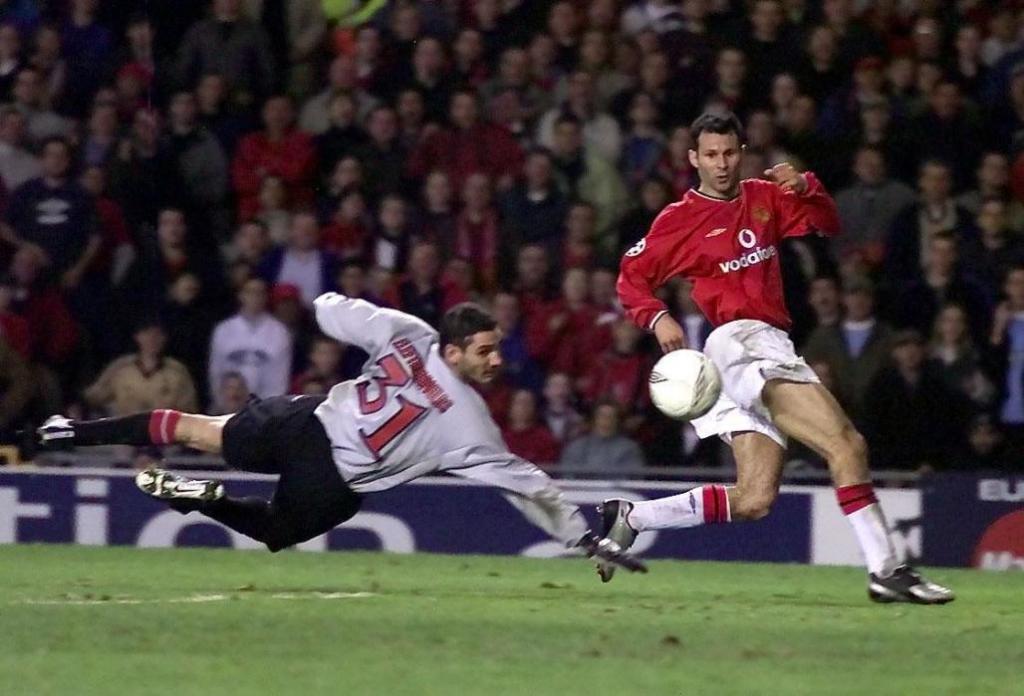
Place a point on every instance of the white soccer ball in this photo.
(685, 384)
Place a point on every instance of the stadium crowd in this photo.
(180, 180)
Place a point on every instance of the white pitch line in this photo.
(192, 599)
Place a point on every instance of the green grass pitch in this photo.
(128, 621)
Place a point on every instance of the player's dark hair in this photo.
(718, 122)
(462, 322)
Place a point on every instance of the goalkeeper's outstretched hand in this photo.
(610, 552)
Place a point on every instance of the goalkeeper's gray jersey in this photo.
(409, 415)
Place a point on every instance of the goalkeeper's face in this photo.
(480, 361)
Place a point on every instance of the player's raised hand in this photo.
(669, 334)
(787, 177)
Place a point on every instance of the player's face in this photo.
(480, 360)
(717, 160)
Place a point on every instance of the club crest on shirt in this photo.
(760, 214)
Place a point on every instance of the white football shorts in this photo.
(748, 353)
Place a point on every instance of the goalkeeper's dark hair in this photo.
(718, 122)
(462, 322)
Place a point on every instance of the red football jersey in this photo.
(728, 249)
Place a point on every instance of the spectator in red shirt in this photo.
(531, 282)
(436, 222)
(525, 436)
(52, 330)
(476, 229)
(278, 150)
(348, 232)
(557, 335)
(469, 145)
(621, 373)
(580, 224)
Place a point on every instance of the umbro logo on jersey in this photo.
(715, 232)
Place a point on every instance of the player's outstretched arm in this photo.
(360, 323)
(805, 206)
(541, 502)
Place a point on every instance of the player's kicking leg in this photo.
(759, 461)
(809, 413)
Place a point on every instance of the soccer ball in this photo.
(685, 384)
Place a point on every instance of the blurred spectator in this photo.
(869, 207)
(513, 99)
(644, 143)
(468, 146)
(423, 293)
(250, 244)
(588, 177)
(655, 194)
(287, 307)
(771, 44)
(277, 150)
(301, 263)
(233, 47)
(342, 78)
(991, 179)
(579, 251)
(342, 137)
(935, 211)
(855, 349)
(42, 122)
(13, 327)
(17, 385)
(953, 350)
(476, 229)
(728, 89)
(143, 175)
(145, 380)
(531, 283)
(324, 365)
(56, 216)
(914, 420)
(533, 211)
(189, 321)
(253, 344)
(559, 412)
(819, 72)
(201, 163)
(520, 370)
(347, 233)
(429, 78)
(557, 333)
(999, 248)
(603, 449)
(87, 48)
(946, 131)
(823, 298)
(943, 281)
(49, 64)
(1007, 344)
(987, 449)
(383, 152)
(620, 374)
(468, 65)
(601, 134)
(390, 247)
(226, 122)
(117, 249)
(295, 31)
(232, 394)
(675, 166)
(17, 164)
(524, 435)
(436, 220)
(53, 332)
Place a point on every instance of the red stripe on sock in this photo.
(853, 498)
(710, 504)
(723, 503)
(162, 424)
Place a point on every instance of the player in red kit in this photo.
(723, 237)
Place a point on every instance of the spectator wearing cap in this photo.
(525, 436)
(278, 150)
(855, 349)
(232, 46)
(17, 164)
(469, 145)
(913, 420)
(301, 263)
(588, 176)
(145, 380)
(603, 450)
(868, 208)
(252, 343)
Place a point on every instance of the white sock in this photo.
(702, 505)
(865, 515)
